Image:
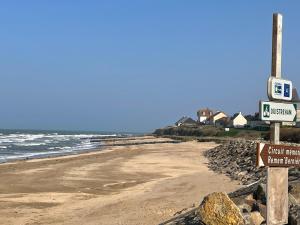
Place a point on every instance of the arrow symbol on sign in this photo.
(277, 155)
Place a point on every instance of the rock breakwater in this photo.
(237, 159)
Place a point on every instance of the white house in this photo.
(239, 121)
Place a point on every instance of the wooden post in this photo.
(277, 178)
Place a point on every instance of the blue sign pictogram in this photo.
(287, 90)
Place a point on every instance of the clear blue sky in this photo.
(137, 65)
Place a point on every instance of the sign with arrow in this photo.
(278, 155)
(277, 111)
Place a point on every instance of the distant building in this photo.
(296, 100)
(295, 96)
(187, 121)
(204, 114)
(238, 121)
(223, 122)
(216, 116)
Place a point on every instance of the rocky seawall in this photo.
(236, 159)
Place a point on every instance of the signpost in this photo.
(279, 89)
(278, 111)
(278, 155)
(277, 175)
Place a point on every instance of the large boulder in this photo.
(218, 209)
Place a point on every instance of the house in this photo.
(223, 122)
(295, 96)
(296, 100)
(187, 121)
(218, 115)
(238, 121)
(204, 114)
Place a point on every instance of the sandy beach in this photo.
(122, 185)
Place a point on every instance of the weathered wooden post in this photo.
(277, 177)
(277, 157)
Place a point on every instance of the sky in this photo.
(137, 65)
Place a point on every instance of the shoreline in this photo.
(51, 156)
(137, 184)
(100, 147)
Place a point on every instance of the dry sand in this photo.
(140, 184)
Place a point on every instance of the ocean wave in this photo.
(19, 144)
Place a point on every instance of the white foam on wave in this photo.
(27, 145)
(31, 144)
(19, 138)
(106, 135)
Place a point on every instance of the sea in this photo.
(26, 144)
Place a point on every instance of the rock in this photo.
(250, 201)
(256, 218)
(242, 174)
(294, 215)
(260, 193)
(294, 190)
(263, 210)
(218, 209)
(245, 208)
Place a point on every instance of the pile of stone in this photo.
(237, 159)
(246, 206)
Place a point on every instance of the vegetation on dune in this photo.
(186, 133)
(209, 131)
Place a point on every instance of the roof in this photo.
(223, 119)
(185, 119)
(218, 113)
(295, 96)
(236, 115)
(206, 111)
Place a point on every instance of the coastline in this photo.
(106, 143)
(85, 152)
(136, 184)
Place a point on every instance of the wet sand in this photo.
(124, 185)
